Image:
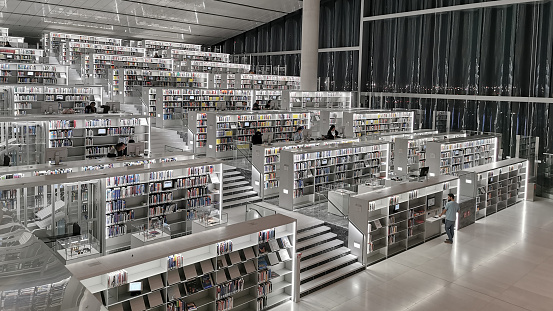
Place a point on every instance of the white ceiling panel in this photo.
(192, 21)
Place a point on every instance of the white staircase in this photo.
(325, 259)
(159, 138)
(130, 108)
(236, 189)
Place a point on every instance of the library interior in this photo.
(253, 155)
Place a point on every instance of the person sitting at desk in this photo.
(131, 141)
(256, 106)
(117, 150)
(91, 108)
(257, 138)
(332, 132)
(298, 135)
(268, 106)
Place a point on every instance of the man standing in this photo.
(451, 209)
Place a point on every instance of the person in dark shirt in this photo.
(91, 108)
(268, 106)
(257, 138)
(332, 132)
(117, 151)
(256, 106)
(156, 55)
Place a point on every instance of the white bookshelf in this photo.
(266, 162)
(457, 154)
(495, 186)
(213, 67)
(33, 74)
(188, 55)
(228, 131)
(386, 222)
(37, 100)
(154, 45)
(190, 270)
(359, 124)
(21, 55)
(268, 82)
(306, 172)
(197, 132)
(305, 100)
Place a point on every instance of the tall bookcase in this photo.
(457, 154)
(197, 131)
(306, 172)
(359, 124)
(268, 82)
(21, 55)
(23, 140)
(305, 100)
(228, 131)
(386, 222)
(154, 45)
(243, 268)
(54, 99)
(266, 162)
(495, 186)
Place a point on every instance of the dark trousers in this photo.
(449, 227)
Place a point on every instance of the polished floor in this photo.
(502, 263)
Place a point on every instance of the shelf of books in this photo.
(397, 218)
(374, 123)
(306, 172)
(54, 99)
(20, 55)
(266, 162)
(170, 195)
(181, 55)
(91, 136)
(18, 42)
(23, 140)
(268, 82)
(495, 186)
(271, 97)
(229, 131)
(235, 267)
(153, 45)
(197, 131)
(457, 154)
(39, 74)
(77, 49)
(303, 100)
(213, 67)
(6, 108)
(410, 151)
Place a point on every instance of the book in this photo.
(262, 263)
(190, 306)
(193, 286)
(377, 224)
(285, 242)
(273, 245)
(283, 254)
(206, 281)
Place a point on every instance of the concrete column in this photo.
(310, 45)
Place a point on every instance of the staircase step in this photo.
(330, 278)
(241, 201)
(231, 173)
(327, 268)
(325, 247)
(234, 184)
(228, 168)
(237, 189)
(312, 232)
(233, 178)
(323, 258)
(314, 240)
(226, 198)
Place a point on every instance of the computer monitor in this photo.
(59, 97)
(268, 137)
(56, 154)
(396, 208)
(135, 286)
(30, 73)
(102, 132)
(424, 171)
(48, 108)
(135, 149)
(168, 184)
(114, 106)
(246, 124)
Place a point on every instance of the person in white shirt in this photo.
(298, 135)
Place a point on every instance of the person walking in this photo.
(451, 209)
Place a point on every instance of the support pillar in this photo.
(310, 45)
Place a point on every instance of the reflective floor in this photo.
(504, 262)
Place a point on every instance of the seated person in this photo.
(256, 106)
(298, 135)
(257, 138)
(125, 152)
(332, 132)
(91, 108)
(268, 106)
(105, 108)
(117, 150)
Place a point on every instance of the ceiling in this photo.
(191, 21)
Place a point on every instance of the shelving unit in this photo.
(359, 124)
(266, 162)
(153, 45)
(213, 67)
(77, 49)
(20, 55)
(457, 154)
(228, 131)
(386, 222)
(441, 121)
(495, 186)
(410, 151)
(101, 63)
(256, 273)
(53, 100)
(306, 172)
(14, 73)
(268, 82)
(23, 140)
(181, 55)
(197, 131)
(306, 100)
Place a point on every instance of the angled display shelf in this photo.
(236, 267)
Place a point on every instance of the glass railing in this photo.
(258, 210)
